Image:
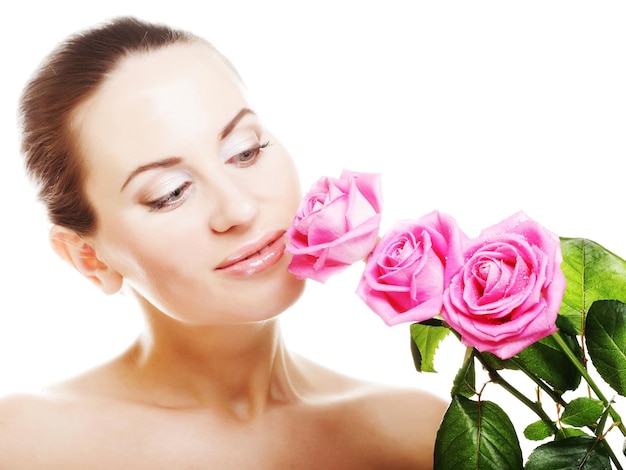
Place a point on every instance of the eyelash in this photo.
(253, 152)
(171, 199)
(174, 197)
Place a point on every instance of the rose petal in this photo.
(403, 279)
(336, 225)
(508, 292)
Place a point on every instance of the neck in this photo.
(239, 369)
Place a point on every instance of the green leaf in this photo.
(602, 423)
(582, 453)
(539, 359)
(566, 326)
(605, 331)
(582, 411)
(424, 344)
(496, 363)
(592, 273)
(476, 435)
(465, 379)
(565, 433)
(539, 430)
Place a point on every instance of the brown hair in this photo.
(70, 74)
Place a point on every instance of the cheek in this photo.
(133, 250)
(284, 182)
(293, 193)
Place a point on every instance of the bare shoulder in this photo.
(395, 404)
(26, 422)
(53, 428)
(17, 411)
(404, 405)
(398, 424)
(406, 419)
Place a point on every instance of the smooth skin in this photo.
(186, 182)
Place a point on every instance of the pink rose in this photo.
(404, 278)
(508, 293)
(336, 225)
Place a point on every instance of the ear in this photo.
(73, 249)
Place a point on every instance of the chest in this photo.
(300, 439)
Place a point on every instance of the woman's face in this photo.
(192, 194)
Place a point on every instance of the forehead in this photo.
(186, 58)
(184, 67)
(155, 100)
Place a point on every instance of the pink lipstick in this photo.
(255, 257)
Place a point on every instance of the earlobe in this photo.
(73, 249)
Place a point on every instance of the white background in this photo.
(475, 108)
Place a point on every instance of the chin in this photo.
(296, 290)
(283, 289)
(282, 296)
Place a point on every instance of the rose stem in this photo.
(498, 379)
(556, 397)
(568, 352)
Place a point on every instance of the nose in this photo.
(232, 206)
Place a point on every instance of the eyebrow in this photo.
(165, 163)
(234, 121)
(168, 162)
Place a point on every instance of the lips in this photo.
(256, 256)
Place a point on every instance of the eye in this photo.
(248, 157)
(171, 200)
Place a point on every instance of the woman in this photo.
(160, 179)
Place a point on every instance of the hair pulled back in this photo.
(68, 76)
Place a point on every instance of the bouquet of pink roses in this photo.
(520, 299)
